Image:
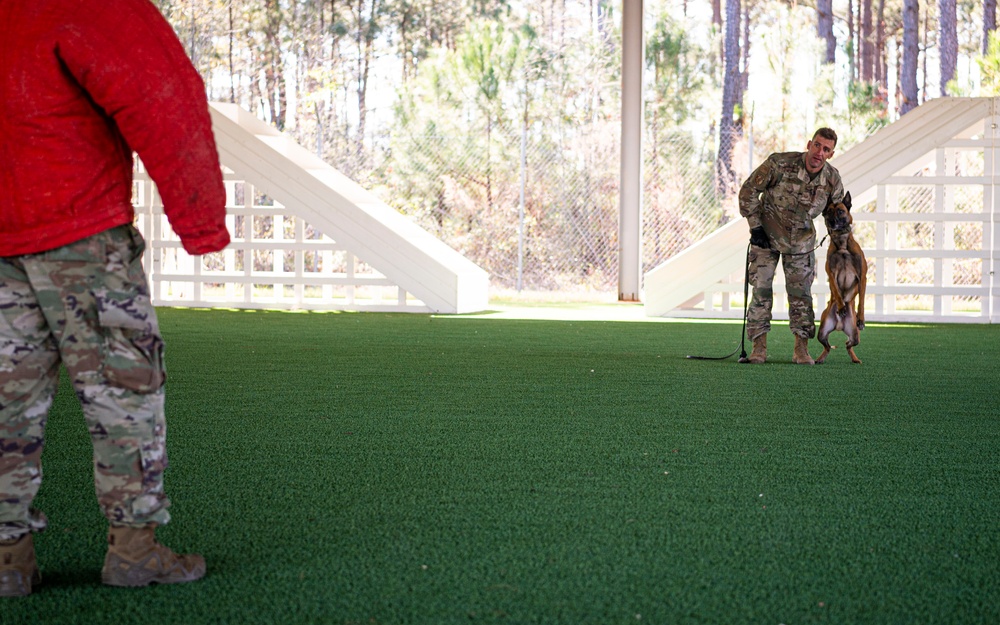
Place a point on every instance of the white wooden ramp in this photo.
(431, 271)
(911, 142)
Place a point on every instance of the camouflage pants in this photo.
(800, 270)
(87, 306)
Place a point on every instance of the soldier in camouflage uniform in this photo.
(85, 82)
(780, 200)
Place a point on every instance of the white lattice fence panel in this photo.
(275, 260)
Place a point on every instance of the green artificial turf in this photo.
(392, 468)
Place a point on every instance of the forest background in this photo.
(495, 124)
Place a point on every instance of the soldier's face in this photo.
(817, 151)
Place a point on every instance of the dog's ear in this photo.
(847, 200)
(830, 205)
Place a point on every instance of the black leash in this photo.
(746, 302)
(743, 333)
(825, 236)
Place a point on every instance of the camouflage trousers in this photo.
(800, 270)
(85, 305)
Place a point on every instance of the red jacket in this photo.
(83, 83)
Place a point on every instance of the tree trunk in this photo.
(744, 67)
(367, 29)
(193, 28)
(908, 68)
(271, 59)
(824, 28)
(923, 59)
(867, 41)
(880, 52)
(726, 178)
(232, 65)
(989, 22)
(948, 43)
(405, 57)
(852, 66)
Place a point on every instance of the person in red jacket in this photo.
(83, 85)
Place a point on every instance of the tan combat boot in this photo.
(759, 352)
(801, 355)
(18, 570)
(136, 559)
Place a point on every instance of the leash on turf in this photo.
(746, 301)
(743, 334)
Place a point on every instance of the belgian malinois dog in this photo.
(847, 271)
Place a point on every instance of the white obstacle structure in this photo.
(304, 237)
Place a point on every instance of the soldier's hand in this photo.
(759, 238)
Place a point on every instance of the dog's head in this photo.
(838, 215)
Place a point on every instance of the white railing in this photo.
(275, 260)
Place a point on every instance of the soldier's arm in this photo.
(128, 59)
(757, 183)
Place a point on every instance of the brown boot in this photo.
(18, 570)
(801, 355)
(759, 352)
(136, 559)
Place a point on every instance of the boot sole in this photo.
(13, 583)
(124, 574)
(131, 581)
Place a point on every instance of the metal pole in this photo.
(520, 206)
(630, 194)
(991, 194)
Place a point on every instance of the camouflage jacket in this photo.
(781, 196)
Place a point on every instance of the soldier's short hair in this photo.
(826, 133)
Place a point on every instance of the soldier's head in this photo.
(819, 149)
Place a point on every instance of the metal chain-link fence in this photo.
(539, 210)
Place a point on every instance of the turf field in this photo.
(399, 468)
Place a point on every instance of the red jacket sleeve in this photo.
(128, 59)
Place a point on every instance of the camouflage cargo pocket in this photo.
(133, 348)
